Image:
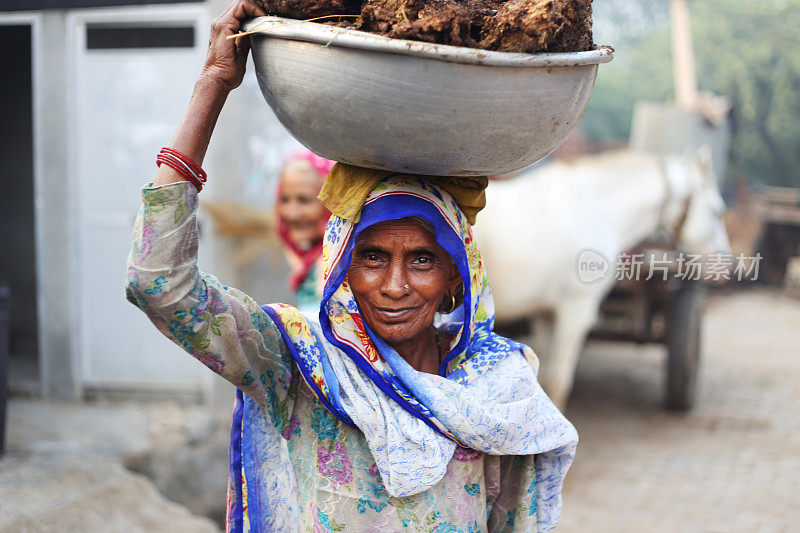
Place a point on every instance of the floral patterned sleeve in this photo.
(511, 493)
(220, 326)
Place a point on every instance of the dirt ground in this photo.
(730, 465)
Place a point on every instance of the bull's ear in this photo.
(704, 161)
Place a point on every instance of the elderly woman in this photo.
(394, 407)
(301, 223)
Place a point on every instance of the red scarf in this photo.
(307, 258)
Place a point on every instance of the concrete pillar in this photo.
(59, 364)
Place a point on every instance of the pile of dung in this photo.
(528, 26)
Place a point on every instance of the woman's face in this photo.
(298, 206)
(399, 275)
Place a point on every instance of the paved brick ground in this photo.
(732, 464)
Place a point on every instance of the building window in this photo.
(115, 36)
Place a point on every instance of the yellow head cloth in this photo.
(346, 189)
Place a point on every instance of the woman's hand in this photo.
(225, 63)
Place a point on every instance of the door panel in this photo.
(130, 97)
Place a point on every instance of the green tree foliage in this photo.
(747, 50)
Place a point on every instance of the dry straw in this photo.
(258, 28)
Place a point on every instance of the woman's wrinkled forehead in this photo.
(414, 231)
(419, 221)
(405, 222)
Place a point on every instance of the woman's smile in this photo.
(399, 276)
(395, 315)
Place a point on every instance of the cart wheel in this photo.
(683, 345)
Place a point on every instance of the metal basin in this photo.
(417, 107)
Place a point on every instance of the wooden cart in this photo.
(659, 311)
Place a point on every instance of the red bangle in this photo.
(184, 166)
(191, 164)
(180, 169)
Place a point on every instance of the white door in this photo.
(133, 75)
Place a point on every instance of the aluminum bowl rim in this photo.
(298, 30)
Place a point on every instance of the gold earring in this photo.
(405, 286)
(452, 305)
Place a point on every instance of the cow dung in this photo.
(528, 26)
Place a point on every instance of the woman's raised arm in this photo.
(222, 72)
(218, 325)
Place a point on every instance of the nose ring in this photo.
(405, 286)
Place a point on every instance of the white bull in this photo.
(535, 226)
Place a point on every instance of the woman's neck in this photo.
(422, 353)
